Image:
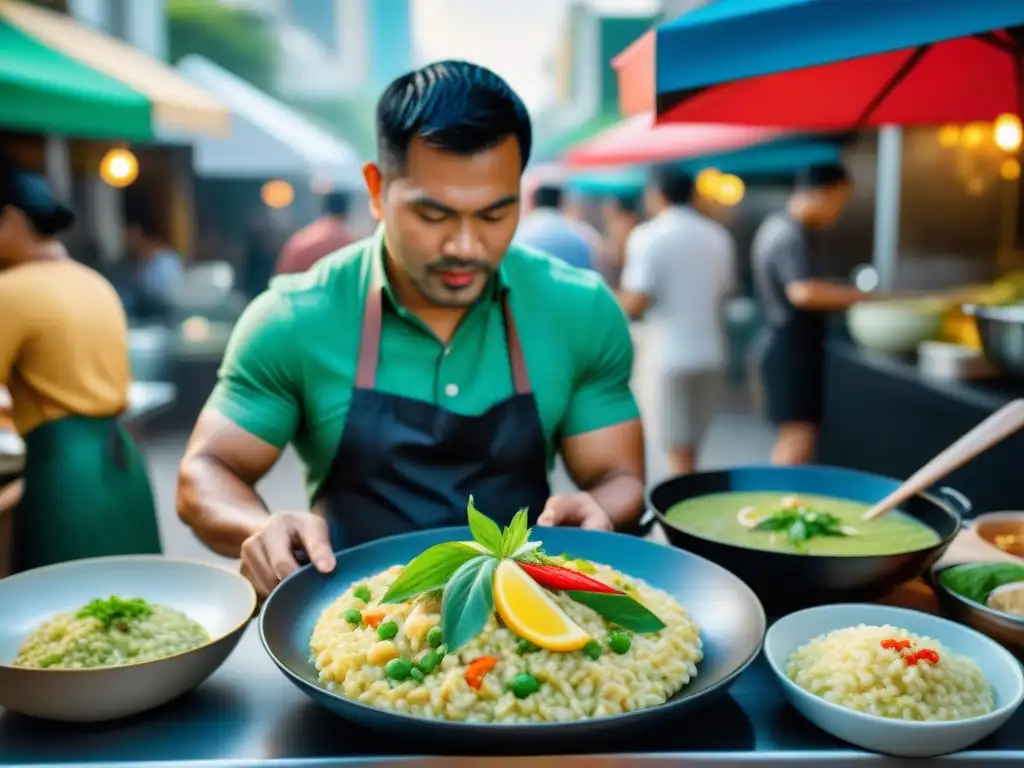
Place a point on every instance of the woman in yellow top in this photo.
(64, 358)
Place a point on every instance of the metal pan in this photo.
(786, 582)
(731, 619)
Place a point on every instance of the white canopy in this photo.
(268, 139)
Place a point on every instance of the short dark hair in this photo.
(337, 203)
(454, 106)
(31, 194)
(547, 196)
(674, 183)
(822, 176)
(627, 203)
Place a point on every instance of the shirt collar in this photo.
(378, 275)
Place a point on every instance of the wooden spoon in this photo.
(996, 428)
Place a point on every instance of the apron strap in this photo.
(369, 340)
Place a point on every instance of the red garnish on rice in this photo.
(912, 658)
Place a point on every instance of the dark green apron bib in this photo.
(87, 494)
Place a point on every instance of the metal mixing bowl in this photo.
(1002, 335)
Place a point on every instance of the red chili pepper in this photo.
(896, 645)
(557, 577)
(925, 654)
(478, 669)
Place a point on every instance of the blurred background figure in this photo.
(153, 274)
(261, 248)
(548, 229)
(327, 234)
(679, 271)
(620, 215)
(790, 349)
(64, 358)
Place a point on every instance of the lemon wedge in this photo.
(528, 610)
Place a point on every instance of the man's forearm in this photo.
(621, 496)
(219, 508)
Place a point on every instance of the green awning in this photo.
(44, 91)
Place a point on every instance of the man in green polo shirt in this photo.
(427, 363)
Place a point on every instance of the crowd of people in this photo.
(455, 352)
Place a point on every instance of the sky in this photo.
(516, 38)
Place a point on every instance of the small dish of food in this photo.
(141, 629)
(892, 680)
(986, 596)
(1003, 530)
(487, 634)
(776, 527)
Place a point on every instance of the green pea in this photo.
(524, 684)
(362, 592)
(387, 630)
(525, 646)
(416, 675)
(593, 649)
(429, 661)
(619, 642)
(398, 669)
(352, 616)
(442, 651)
(434, 638)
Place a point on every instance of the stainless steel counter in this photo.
(248, 714)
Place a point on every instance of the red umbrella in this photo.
(636, 140)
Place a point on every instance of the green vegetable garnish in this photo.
(115, 609)
(430, 570)
(524, 684)
(352, 616)
(468, 600)
(429, 661)
(525, 646)
(619, 642)
(362, 592)
(585, 566)
(434, 637)
(802, 524)
(442, 651)
(976, 581)
(416, 675)
(387, 630)
(593, 650)
(398, 669)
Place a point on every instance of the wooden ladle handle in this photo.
(996, 428)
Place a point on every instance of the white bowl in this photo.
(219, 599)
(895, 327)
(880, 734)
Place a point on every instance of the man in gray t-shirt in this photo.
(790, 350)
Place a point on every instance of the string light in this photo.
(730, 190)
(949, 136)
(277, 194)
(707, 182)
(1006, 132)
(119, 168)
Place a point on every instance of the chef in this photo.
(429, 362)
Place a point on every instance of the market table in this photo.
(248, 714)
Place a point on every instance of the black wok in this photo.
(785, 581)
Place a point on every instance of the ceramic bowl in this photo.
(1003, 530)
(879, 734)
(895, 327)
(219, 599)
(1006, 629)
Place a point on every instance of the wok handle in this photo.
(996, 428)
(960, 502)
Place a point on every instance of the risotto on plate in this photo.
(889, 672)
(496, 631)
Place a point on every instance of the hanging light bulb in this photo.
(1006, 132)
(119, 168)
(277, 194)
(974, 134)
(707, 182)
(949, 136)
(730, 190)
(1009, 169)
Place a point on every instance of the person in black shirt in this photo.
(793, 301)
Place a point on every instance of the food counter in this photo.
(881, 415)
(248, 714)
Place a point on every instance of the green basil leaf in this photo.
(429, 570)
(515, 535)
(468, 601)
(484, 530)
(620, 609)
(798, 531)
(777, 522)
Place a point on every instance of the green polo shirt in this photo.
(290, 366)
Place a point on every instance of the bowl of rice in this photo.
(893, 680)
(104, 638)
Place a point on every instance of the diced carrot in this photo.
(478, 669)
(373, 616)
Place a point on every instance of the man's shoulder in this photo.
(542, 276)
(332, 285)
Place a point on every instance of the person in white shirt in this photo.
(547, 229)
(680, 269)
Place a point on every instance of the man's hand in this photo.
(268, 556)
(576, 510)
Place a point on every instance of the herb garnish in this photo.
(115, 609)
(464, 572)
(803, 523)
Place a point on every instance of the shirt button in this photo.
(451, 390)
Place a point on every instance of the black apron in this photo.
(407, 465)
